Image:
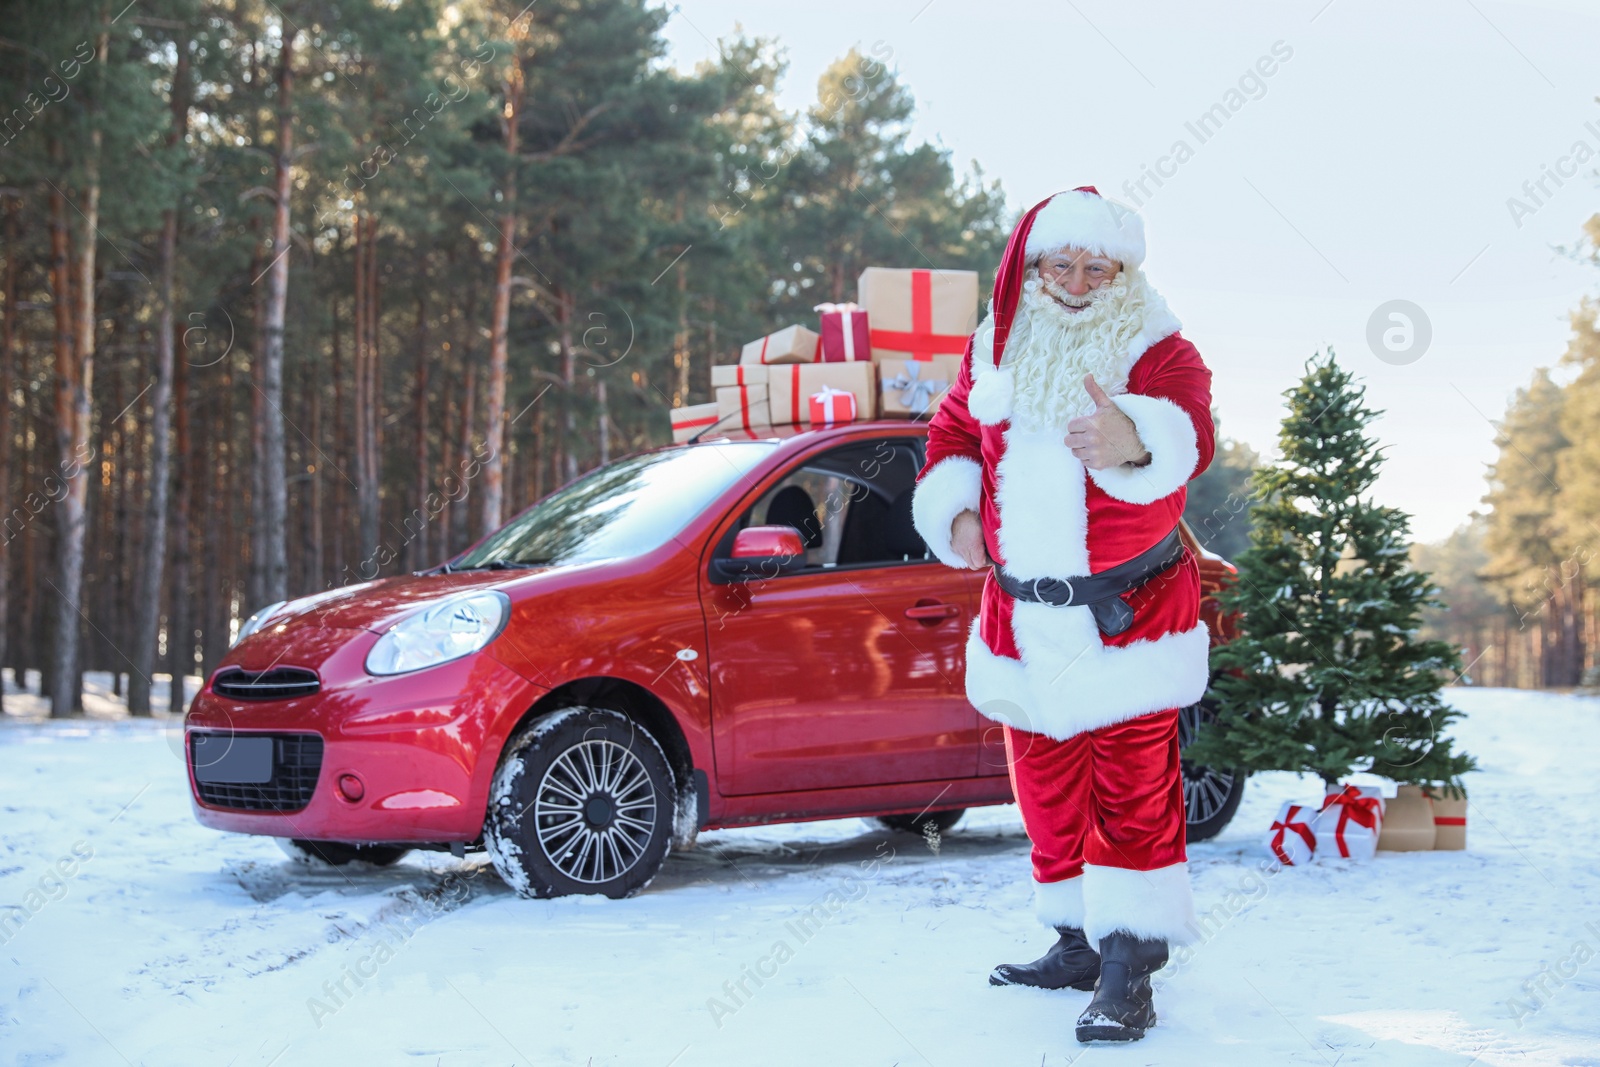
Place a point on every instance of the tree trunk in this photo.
(8, 330)
(74, 384)
(274, 510)
(569, 383)
(180, 623)
(419, 547)
(147, 580)
(494, 407)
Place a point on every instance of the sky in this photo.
(1376, 162)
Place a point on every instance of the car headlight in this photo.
(257, 621)
(440, 633)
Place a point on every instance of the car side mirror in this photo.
(761, 552)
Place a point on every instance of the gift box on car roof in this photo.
(918, 314)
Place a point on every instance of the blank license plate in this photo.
(231, 759)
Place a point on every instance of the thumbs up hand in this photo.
(1105, 437)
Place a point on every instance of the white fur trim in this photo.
(1059, 903)
(989, 400)
(1073, 682)
(1159, 324)
(953, 485)
(1169, 435)
(1146, 904)
(1084, 220)
(1040, 491)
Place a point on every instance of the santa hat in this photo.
(1081, 218)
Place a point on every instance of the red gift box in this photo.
(830, 406)
(846, 337)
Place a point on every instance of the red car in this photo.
(715, 634)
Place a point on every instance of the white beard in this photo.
(1050, 349)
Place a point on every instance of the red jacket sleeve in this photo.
(951, 479)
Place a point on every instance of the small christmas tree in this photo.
(1327, 674)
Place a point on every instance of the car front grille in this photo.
(279, 683)
(296, 762)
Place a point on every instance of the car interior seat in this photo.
(792, 506)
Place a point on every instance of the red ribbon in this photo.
(744, 406)
(920, 341)
(1353, 807)
(684, 424)
(794, 395)
(1449, 820)
(1279, 828)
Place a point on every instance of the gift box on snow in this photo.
(790, 389)
(1449, 816)
(725, 374)
(1291, 838)
(845, 336)
(1349, 823)
(1407, 821)
(792, 344)
(688, 421)
(743, 406)
(912, 388)
(918, 314)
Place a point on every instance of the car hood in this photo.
(377, 605)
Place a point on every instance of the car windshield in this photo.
(626, 508)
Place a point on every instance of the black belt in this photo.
(1101, 592)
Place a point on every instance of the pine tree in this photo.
(1327, 674)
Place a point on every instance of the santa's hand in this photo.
(1105, 437)
(966, 538)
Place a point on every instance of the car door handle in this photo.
(932, 611)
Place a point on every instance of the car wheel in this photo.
(340, 853)
(1210, 796)
(941, 821)
(582, 802)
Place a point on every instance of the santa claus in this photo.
(1059, 461)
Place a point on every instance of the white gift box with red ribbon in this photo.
(1348, 825)
(830, 406)
(1291, 839)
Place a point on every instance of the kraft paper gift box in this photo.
(918, 314)
(688, 421)
(1291, 838)
(912, 388)
(792, 344)
(1407, 821)
(845, 334)
(789, 389)
(1349, 823)
(1449, 817)
(738, 374)
(743, 406)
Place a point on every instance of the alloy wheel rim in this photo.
(1205, 789)
(595, 811)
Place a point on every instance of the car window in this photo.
(623, 509)
(851, 505)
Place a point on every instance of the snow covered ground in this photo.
(171, 944)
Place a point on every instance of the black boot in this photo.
(1069, 963)
(1121, 1008)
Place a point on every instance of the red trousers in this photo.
(1104, 812)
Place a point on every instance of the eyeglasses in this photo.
(1094, 266)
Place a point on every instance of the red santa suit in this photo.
(1090, 720)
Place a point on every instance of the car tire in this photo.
(1210, 796)
(340, 853)
(942, 821)
(582, 802)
